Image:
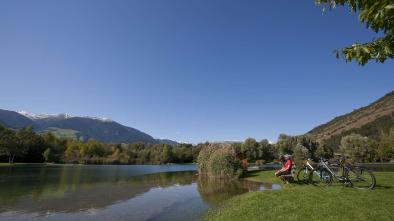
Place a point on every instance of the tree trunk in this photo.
(11, 157)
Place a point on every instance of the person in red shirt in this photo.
(287, 163)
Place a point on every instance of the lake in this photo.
(111, 192)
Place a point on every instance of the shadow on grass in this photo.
(383, 187)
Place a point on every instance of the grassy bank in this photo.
(14, 164)
(305, 202)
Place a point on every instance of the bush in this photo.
(355, 146)
(203, 158)
(219, 161)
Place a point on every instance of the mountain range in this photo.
(82, 128)
(371, 121)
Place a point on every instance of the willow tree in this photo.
(378, 15)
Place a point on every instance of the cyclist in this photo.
(285, 171)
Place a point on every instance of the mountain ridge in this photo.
(84, 128)
(368, 116)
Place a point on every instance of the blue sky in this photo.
(188, 70)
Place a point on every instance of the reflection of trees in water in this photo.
(70, 189)
(73, 188)
(34, 181)
(164, 179)
(213, 191)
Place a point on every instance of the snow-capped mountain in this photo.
(34, 116)
(82, 128)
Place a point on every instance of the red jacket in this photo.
(287, 165)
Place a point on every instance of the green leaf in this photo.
(389, 7)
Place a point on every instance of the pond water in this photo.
(129, 192)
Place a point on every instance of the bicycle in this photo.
(357, 177)
(303, 173)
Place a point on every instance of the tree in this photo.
(268, 152)
(166, 154)
(385, 149)
(355, 146)
(324, 151)
(378, 15)
(249, 149)
(27, 146)
(48, 155)
(57, 146)
(72, 152)
(31, 145)
(300, 154)
(8, 144)
(309, 143)
(92, 148)
(27, 140)
(285, 144)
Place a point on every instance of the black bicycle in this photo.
(357, 177)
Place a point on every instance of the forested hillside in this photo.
(78, 128)
(366, 133)
(369, 121)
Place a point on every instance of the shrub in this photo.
(219, 161)
(203, 158)
(355, 146)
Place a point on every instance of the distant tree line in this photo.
(24, 145)
(357, 147)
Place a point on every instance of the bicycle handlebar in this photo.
(323, 159)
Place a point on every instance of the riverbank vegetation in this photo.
(307, 202)
(24, 145)
(219, 161)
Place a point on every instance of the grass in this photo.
(62, 133)
(5, 164)
(15, 164)
(306, 202)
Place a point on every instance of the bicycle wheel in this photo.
(320, 177)
(361, 178)
(302, 175)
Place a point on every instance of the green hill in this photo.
(63, 133)
(82, 128)
(371, 121)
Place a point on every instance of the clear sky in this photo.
(188, 70)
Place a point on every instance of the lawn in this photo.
(306, 202)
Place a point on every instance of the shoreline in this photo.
(331, 203)
(81, 164)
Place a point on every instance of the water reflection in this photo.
(112, 193)
(213, 191)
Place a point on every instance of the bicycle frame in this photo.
(308, 167)
(349, 175)
(340, 178)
